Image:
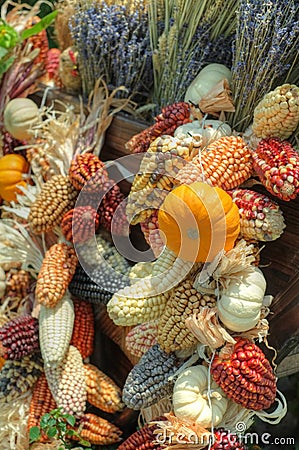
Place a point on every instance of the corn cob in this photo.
(39, 40)
(276, 163)
(57, 270)
(142, 337)
(140, 270)
(80, 224)
(52, 67)
(87, 171)
(55, 199)
(19, 337)
(67, 383)
(17, 283)
(99, 285)
(151, 232)
(102, 392)
(277, 114)
(55, 330)
(143, 439)
(83, 330)
(18, 377)
(3, 282)
(148, 381)
(245, 375)
(2, 361)
(159, 167)
(39, 161)
(225, 163)
(171, 117)
(260, 218)
(112, 210)
(42, 402)
(97, 430)
(185, 301)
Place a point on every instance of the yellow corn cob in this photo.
(98, 431)
(55, 330)
(17, 283)
(102, 392)
(225, 163)
(260, 218)
(142, 337)
(277, 114)
(56, 198)
(185, 300)
(57, 270)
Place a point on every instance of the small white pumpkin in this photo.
(209, 130)
(239, 307)
(2, 282)
(19, 116)
(207, 78)
(190, 397)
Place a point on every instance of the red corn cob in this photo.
(83, 331)
(19, 337)
(89, 171)
(225, 440)
(245, 375)
(171, 117)
(79, 224)
(276, 163)
(114, 199)
(260, 218)
(52, 65)
(142, 439)
(39, 41)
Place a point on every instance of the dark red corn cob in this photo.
(224, 440)
(171, 117)
(141, 440)
(151, 232)
(19, 337)
(276, 163)
(114, 199)
(88, 171)
(245, 375)
(79, 224)
(83, 331)
(8, 143)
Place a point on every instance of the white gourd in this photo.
(207, 78)
(239, 306)
(2, 282)
(190, 397)
(19, 116)
(209, 130)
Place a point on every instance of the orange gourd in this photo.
(198, 221)
(12, 168)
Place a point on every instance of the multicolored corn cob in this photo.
(185, 301)
(148, 382)
(83, 330)
(98, 431)
(142, 337)
(67, 383)
(143, 439)
(18, 377)
(151, 232)
(276, 163)
(112, 210)
(260, 218)
(17, 283)
(245, 375)
(55, 330)
(80, 224)
(277, 114)
(42, 402)
(57, 270)
(19, 337)
(225, 163)
(88, 171)
(56, 198)
(102, 392)
(171, 117)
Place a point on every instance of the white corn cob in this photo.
(55, 330)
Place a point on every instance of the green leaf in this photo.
(44, 422)
(3, 52)
(72, 433)
(52, 431)
(39, 26)
(85, 443)
(70, 420)
(4, 66)
(34, 434)
(62, 426)
(51, 422)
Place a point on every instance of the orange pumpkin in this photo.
(12, 168)
(198, 221)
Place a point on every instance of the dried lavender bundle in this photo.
(112, 43)
(266, 44)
